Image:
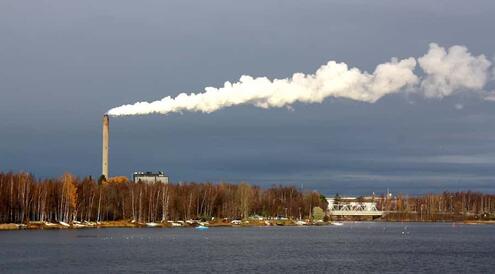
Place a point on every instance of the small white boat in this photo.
(152, 224)
(236, 222)
(64, 224)
(337, 223)
(201, 227)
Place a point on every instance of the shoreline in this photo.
(124, 224)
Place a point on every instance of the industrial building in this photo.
(150, 177)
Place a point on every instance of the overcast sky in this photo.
(65, 63)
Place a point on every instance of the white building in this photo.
(150, 177)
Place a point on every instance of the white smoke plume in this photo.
(452, 70)
(446, 71)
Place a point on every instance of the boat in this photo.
(64, 224)
(152, 224)
(337, 223)
(236, 222)
(301, 223)
(201, 227)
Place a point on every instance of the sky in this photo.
(63, 64)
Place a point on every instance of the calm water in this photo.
(362, 247)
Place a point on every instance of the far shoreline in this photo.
(124, 224)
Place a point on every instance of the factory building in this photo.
(150, 177)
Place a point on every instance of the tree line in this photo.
(437, 207)
(24, 198)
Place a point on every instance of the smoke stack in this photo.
(104, 159)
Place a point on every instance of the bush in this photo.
(318, 213)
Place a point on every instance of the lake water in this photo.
(354, 247)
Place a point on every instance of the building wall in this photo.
(150, 179)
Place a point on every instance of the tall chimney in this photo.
(104, 158)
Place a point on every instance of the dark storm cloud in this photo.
(63, 64)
